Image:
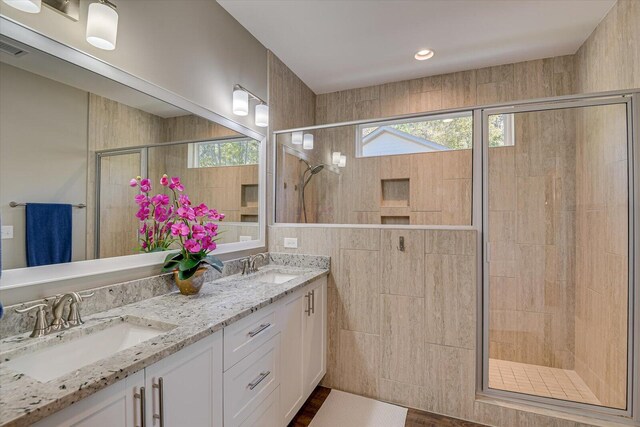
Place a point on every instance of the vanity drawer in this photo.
(244, 336)
(251, 381)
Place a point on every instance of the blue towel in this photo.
(48, 234)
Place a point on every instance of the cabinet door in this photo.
(292, 312)
(265, 415)
(186, 387)
(315, 337)
(115, 406)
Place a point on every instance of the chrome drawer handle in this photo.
(259, 329)
(143, 407)
(258, 380)
(160, 387)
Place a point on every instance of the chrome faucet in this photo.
(249, 263)
(58, 323)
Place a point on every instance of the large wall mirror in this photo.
(72, 136)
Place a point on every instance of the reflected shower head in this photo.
(316, 169)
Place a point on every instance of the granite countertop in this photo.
(24, 400)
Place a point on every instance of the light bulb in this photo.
(240, 102)
(335, 157)
(29, 6)
(307, 141)
(296, 138)
(102, 26)
(262, 115)
(343, 161)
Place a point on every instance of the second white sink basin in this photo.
(62, 358)
(276, 277)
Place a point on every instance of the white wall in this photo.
(193, 48)
(43, 154)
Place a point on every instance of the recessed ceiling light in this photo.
(423, 54)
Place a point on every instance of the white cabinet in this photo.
(304, 341)
(185, 389)
(267, 414)
(116, 405)
(314, 350)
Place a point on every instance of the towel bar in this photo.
(15, 205)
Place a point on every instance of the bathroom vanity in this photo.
(248, 350)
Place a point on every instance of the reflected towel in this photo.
(48, 234)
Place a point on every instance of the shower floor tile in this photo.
(540, 381)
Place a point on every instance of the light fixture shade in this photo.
(296, 138)
(102, 26)
(307, 141)
(262, 115)
(240, 102)
(29, 6)
(335, 157)
(343, 161)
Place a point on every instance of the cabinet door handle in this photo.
(308, 309)
(313, 301)
(143, 407)
(160, 387)
(259, 329)
(253, 384)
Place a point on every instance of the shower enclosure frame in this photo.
(630, 100)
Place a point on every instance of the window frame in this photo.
(193, 152)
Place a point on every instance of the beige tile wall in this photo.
(422, 313)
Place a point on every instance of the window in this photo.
(501, 130)
(417, 135)
(229, 152)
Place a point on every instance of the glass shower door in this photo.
(116, 224)
(557, 250)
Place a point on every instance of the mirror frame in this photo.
(131, 266)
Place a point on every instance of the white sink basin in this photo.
(62, 358)
(275, 277)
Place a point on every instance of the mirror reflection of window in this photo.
(237, 152)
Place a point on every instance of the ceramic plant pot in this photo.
(192, 285)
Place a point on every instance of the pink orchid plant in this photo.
(166, 221)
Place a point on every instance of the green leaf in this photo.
(188, 264)
(177, 256)
(184, 275)
(170, 266)
(214, 262)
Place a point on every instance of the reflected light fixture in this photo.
(241, 99)
(307, 141)
(262, 115)
(343, 161)
(296, 138)
(102, 25)
(29, 6)
(335, 157)
(447, 120)
(423, 54)
(240, 102)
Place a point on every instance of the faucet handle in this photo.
(85, 296)
(40, 306)
(40, 328)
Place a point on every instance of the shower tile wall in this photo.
(532, 242)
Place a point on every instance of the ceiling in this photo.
(342, 44)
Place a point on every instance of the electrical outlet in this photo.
(7, 231)
(290, 242)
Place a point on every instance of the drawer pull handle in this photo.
(308, 309)
(259, 329)
(143, 407)
(160, 387)
(258, 380)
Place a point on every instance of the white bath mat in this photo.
(342, 409)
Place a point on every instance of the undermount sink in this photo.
(54, 361)
(276, 277)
